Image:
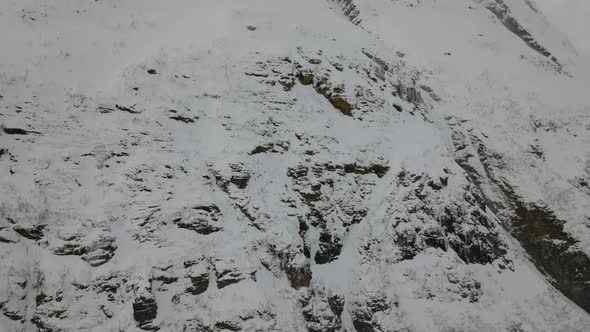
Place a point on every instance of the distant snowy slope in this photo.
(571, 18)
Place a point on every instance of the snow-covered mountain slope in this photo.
(568, 16)
(274, 165)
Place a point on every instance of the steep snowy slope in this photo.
(569, 16)
(264, 165)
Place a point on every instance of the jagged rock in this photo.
(323, 87)
(276, 147)
(336, 303)
(100, 252)
(235, 174)
(166, 275)
(329, 248)
(182, 118)
(471, 245)
(195, 325)
(145, 308)
(258, 319)
(46, 316)
(128, 109)
(227, 326)
(11, 313)
(364, 307)
(298, 271)
(108, 285)
(227, 273)
(70, 248)
(203, 219)
(198, 273)
(105, 109)
(340, 103)
(462, 227)
(554, 251)
(350, 10)
(502, 12)
(316, 186)
(94, 251)
(18, 131)
(321, 311)
(373, 168)
(537, 229)
(32, 232)
(305, 78)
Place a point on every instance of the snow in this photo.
(111, 170)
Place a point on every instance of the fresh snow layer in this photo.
(98, 177)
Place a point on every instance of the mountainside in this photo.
(274, 165)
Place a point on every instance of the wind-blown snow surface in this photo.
(272, 166)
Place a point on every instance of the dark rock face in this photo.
(34, 232)
(182, 118)
(554, 252)
(275, 147)
(334, 194)
(200, 283)
(321, 311)
(14, 131)
(198, 274)
(48, 308)
(541, 234)
(333, 94)
(316, 70)
(470, 244)
(203, 219)
(145, 308)
(227, 326)
(94, 253)
(364, 308)
(336, 303)
(378, 169)
(236, 175)
(298, 270)
(100, 252)
(107, 285)
(144, 312)
(329, 248)
(129, 109)
(227, 273)
(350, 10)
(463, 227)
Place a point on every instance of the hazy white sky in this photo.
(572, 17)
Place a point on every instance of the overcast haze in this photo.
(572, 17)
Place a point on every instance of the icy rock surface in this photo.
(341, 165)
